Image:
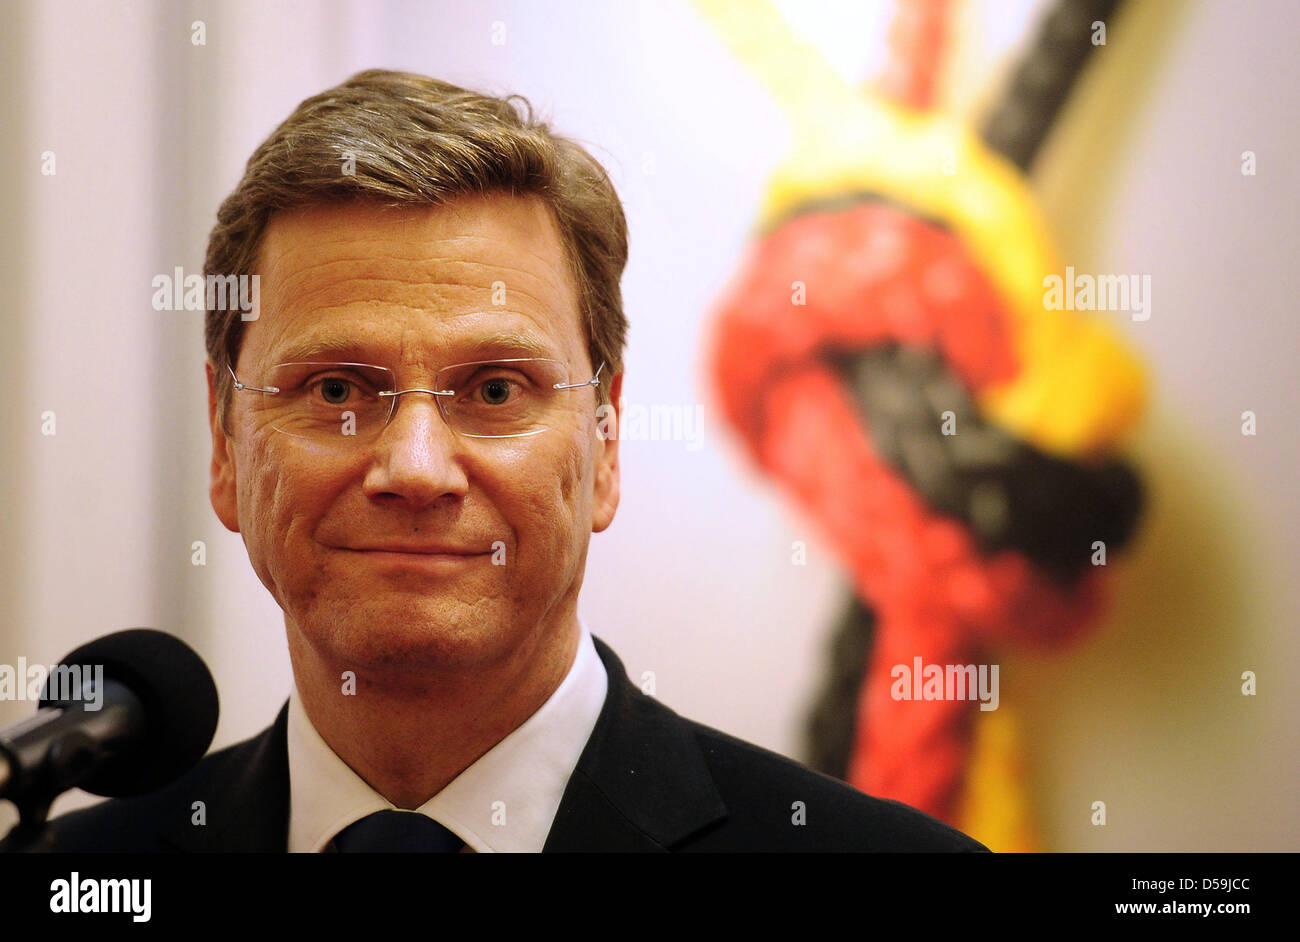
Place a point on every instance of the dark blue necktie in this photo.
(397, 832)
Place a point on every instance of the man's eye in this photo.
(335, 391)
(495, 391)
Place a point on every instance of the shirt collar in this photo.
(505, 802)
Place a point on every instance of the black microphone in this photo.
(123, 715)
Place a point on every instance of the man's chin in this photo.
(406, 636)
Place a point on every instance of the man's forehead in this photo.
(493, 264)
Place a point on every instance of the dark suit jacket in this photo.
(648, 780)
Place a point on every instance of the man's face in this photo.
(413, 289)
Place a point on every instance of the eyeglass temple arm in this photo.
(241, 386)
(594, 381)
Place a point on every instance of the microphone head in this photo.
(180, 705)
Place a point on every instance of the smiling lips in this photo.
(419, 550)
(423, 559)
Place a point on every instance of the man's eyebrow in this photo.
(459, 350)
(332, 348)
(513, 344)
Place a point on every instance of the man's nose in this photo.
(417, 457)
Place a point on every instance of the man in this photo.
(416, 436)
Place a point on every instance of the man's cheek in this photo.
(541, 519)
(264, 501)
(251, 501)
(259, 494)
(562, 515)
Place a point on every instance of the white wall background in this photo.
(694, 579)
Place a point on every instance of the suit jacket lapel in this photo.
(641, 783)
(246, 798)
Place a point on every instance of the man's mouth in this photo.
(419, 550)
(419, 559)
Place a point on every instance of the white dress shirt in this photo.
(505, 802)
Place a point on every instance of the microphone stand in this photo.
(66, 763)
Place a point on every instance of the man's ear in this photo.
(605, 492)
(221, 484)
